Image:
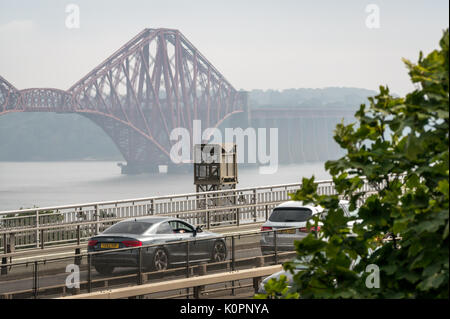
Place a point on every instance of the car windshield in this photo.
(346, 209)
(287, 215)
(132, 227)
(353, 213)
(348, 213)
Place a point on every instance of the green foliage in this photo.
(401, 146)
(277, 289)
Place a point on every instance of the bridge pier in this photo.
(137, 168)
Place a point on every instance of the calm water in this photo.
(26, 184)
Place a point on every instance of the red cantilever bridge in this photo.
(154, 83)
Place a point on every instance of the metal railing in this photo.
(57, 225)
(37, 271)
(197, 284)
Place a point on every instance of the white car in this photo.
(289, 219)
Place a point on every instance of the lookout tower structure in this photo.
(215, 167)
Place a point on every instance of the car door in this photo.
(166, 235)
(184, 231)
(202, 246)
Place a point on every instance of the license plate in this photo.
(288, 231)
(109, 245)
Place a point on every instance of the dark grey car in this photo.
(166, 233)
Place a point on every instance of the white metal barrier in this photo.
(72, 223)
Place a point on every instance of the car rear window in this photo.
(287, 215)
(131, 227)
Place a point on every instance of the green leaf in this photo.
(400, 147)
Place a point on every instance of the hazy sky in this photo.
(254, 44)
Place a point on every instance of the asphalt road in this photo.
(20, 278)
(60, 278)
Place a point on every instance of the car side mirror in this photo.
(198, 229)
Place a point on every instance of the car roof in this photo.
(296, 204)
(299, 204)
(150, 219)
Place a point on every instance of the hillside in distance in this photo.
(53, 137)
(72, 137)
(331, 97)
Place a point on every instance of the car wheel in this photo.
(104, 269)
(219, 252)
(160, 260)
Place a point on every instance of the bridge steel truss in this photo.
(159, 81)
(156, 82)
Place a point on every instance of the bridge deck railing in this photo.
(74, 223)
